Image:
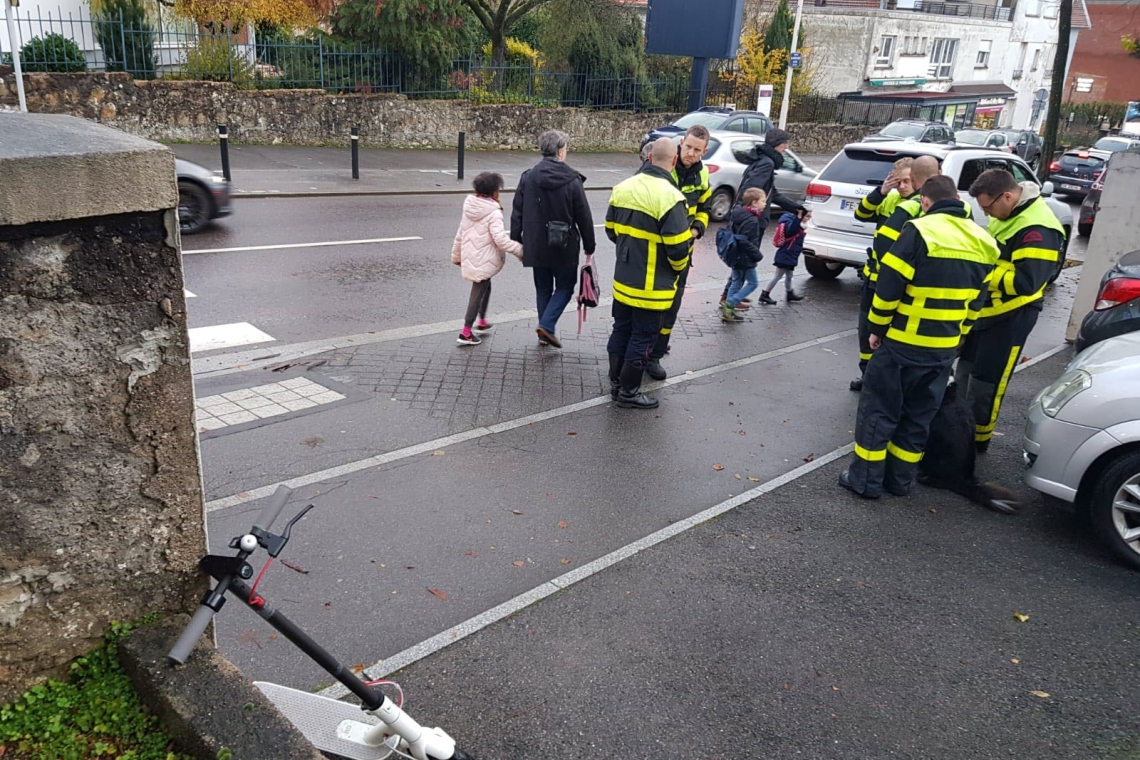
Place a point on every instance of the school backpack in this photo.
(726, 247)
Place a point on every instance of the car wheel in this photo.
(1115, 506)
(822, 268)
(720, 204)
(1084, 229)
(193, 208)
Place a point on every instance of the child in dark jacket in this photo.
(789, 242)
(745, 220)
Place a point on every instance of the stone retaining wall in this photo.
(190, 111)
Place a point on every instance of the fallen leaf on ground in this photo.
(1024, 359)
(243, 495)
(1015, 661)
(291, 566)
(436, 592)
(563, 524)
(313, 442)
(1042, 694)
(718, 467)
(438, 453)
(328, 605)
(515, 512)
(248, 636)
(273, 637)
(358, 667)
(737, 476)
(373, 496)
(519, 563)
(1020, 618)
(754, 480)
(572, 432)
(565, 561)
(809, 458)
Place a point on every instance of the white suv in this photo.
(836, 239)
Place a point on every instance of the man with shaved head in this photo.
(920, 170)
(648, 221)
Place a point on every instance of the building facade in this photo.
(1102, 70)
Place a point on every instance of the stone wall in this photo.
(190, 111)
(101, 514)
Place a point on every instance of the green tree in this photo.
(498, 18)
(52, 52)
(126, 35)
(778, 31)
(429, 32)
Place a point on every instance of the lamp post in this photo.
(788, 83)
(14, 43)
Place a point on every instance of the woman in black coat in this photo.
(551, 218)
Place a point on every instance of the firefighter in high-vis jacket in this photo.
(648, 222)
(692, 177)
(890, 212)
(931, 286)
(1031, 240)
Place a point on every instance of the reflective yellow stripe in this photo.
(679, 265)
(881, 305)
(923, 341)
(880, 319)
(641, 303)
(705, 195)
(634, 232)
(875, 276)
(665, 296)
(1009, 365)
(903, 454)
(1045, 254)
(1004, 307)
(870, 456)
(702, 217)
(897, 264)
(982, 437)
(675, 239)
(666, 330)
(942, 315)
(949, 294)
(888, 233)
(865, 357)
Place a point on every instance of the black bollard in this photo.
(356, 152)
(462, 150)
(224, 142)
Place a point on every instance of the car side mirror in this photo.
(1047, 189)
(798, 168)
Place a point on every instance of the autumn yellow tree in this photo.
(757, 65)
(230, 15)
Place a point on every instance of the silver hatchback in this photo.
(728, 156)
(1082, 442)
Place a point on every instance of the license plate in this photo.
(848, 205)
(1070, 187)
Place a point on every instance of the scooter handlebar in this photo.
(190, 636)
(273, 509)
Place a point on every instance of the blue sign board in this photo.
(694, 28)
(797, 60)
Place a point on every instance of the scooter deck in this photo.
(318, 719)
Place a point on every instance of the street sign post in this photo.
(14, 43)
(797, 60)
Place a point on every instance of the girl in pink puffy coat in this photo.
(480, 248)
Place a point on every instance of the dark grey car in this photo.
(1117, 308)
(203, 196)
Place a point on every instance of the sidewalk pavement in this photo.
(813, 624)
(288, 171)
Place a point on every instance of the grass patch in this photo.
(95, 713)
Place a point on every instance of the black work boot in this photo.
(630, 395)
(766, 299)
(616, 363)
(655, 370)
(793, 296)
(856, 384)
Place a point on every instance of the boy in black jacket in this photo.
(745, 221)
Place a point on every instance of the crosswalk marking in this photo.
(261, 402)
(226, 336)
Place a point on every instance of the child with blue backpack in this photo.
(745, 228)
(789, 241)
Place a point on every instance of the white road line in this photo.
(225, 336)
(481, 432)
(188, 294)
(282, 246)
(445, 638)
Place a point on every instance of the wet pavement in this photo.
(451, 481)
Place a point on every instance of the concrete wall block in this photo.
(100, 491)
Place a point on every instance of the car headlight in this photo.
(1064, 390)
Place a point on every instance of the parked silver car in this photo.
(1082, 442)
(727, 158)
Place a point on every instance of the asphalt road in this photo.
(479, 474)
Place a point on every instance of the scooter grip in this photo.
(190, 636)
